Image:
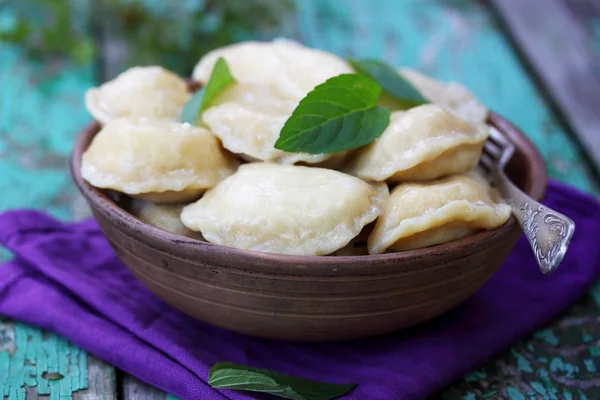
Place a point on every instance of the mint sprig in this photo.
(337, 115)
(220, 79)
(227, 375)
(401, 93)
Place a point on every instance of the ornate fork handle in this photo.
(548, 231)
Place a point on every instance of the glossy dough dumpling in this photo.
(164, 216)
(272, 77)
(286, 209)
(138, 92)
(248, 118)
(419, 215)
(291, 68)
(451, 95)
(157, 160)
(423, 143)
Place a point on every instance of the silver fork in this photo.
(548, 231)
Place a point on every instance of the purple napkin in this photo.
(67, 279)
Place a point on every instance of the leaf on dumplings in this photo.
(400, 91)
(191, 110)
(227, 375)
(220, 79)
(339, 114)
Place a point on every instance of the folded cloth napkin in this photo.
(66, 278)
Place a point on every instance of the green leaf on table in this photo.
(339, 114)
(227, 375)
(220, 79)
(402, 93)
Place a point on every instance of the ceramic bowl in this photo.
(310, 298)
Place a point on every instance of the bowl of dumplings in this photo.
(222, 224)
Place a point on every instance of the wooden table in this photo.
(536, 62)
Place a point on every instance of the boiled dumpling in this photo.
(164, 216)
(272, 77)
(248, 118)
(425, 214)
(289, 67)
(138, 92)
(286, 209)
(423, 143)
(157, 160)
(451, 95)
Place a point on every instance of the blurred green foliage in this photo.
(172, 33)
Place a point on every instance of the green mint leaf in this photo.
(395, 87)
(339, 114)
(220, 79)
(227, 375)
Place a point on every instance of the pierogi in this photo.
(287, 66)
(450, 95)
(422, 143)
(152, 92)
(156, 160)
(163, 216)
(420, 215)
(272, 77)
(286, 209)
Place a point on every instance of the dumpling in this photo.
(451, 95)
(272, 77)
(423, 143)
(286, 209)
(156, 160)
(138, 92)
(163, 216)
(248, 118)
(425, 214)
(289, 67)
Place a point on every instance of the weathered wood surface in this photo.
(134, 389)
(41, 111)
(29, 356)
(561, 41)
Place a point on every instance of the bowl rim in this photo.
(188, 248)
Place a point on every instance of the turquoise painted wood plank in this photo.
(562, 48)
(41, 112)
(29, 356)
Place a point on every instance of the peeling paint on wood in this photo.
(40, 113)
(558, 362)
(34, 363)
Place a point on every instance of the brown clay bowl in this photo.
(311, 298)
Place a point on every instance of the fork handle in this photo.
(548, 231)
